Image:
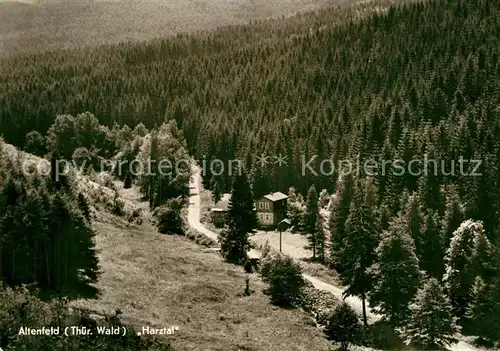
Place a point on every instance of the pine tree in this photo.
(414, 221)
(459, 269)
(453, 215)
(432, 260)
(484, 310)
(339, 214)
(396, 273)
(358, 251)
(431, 326)
(320, 238)
(311, 218)
(242, 221)
(324, 199)
(296, 210)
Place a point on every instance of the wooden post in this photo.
(280, 238)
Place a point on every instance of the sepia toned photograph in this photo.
(249, 175)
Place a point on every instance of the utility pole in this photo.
(280, 239)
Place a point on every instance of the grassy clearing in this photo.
(162, 280)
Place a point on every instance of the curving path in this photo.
(354, 302)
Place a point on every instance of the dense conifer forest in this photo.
(419, 81)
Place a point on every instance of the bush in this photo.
(248, 267)
(343, 326)
(199, 238)
(382, 336)
(135, 216)
(116, 206)
(35, 143)
(169, 219)
(83, 204)
(319, 303)
(285, 281)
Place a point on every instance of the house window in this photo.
(263, 205)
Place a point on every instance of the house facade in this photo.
(271, 209)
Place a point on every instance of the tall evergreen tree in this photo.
(484, 309)
(358, 251)
(396, 273)
(414, 220)
(453, 215)
(242, 221)
(339, 214)
(459, 270)
(320, 238)
(311, 218)
(432, 250)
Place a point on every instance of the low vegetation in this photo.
(20, 308)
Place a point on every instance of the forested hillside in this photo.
(421, 78)
(415, 82)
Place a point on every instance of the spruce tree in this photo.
(361, 240)
(339, 214)
(432, 250)
(414, 220)
(396, 273)
(320, 238)
(296, 210)
(311, 218)
(453, 215)
(431, 325)
(459, 269)
(242, 221)
(484, 310)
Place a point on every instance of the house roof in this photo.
(223, 203)
(276, 196)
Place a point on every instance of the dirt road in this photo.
(354, 302)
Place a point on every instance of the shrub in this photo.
(285, 281)
(199, 238)
(116, 206)
(248, 267)
(35, 143)
(343, 326)
(319, 303)
(135, 216)
(83, 204)
(169, 219)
